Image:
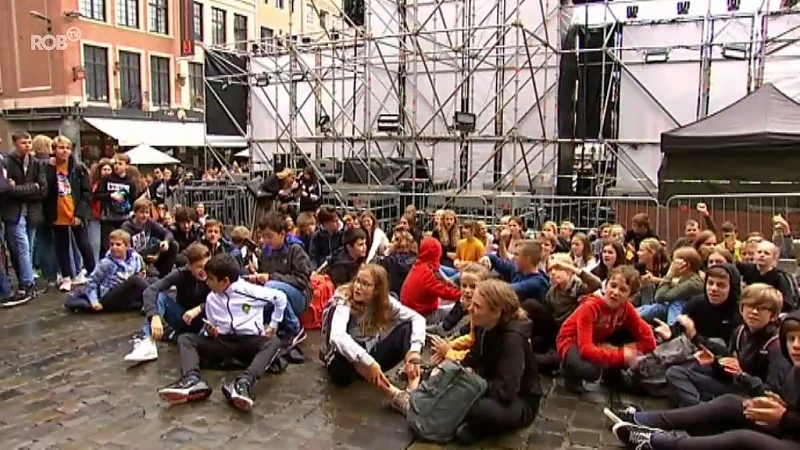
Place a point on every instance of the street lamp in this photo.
(40, 16)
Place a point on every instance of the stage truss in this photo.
(321, 96)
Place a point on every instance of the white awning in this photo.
(144, 155)
(130, 132)
(226, 141)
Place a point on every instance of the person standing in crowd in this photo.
(44, 247)
(22, 210)
(116, 192)
(310, 191)
(102, 169)
(68, 209)
(7, 298)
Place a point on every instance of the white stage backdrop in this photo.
(432, 87)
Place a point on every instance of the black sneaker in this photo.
(635, 437)
(30, 291)
(625, 413)
(238, 393)
(187, 389)
(16, 299)
(574, 385)
(292, 340)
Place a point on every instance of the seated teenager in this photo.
(306, 227)
(425, 285)
(770, 421)
(469, 248)
(235, 329)
(242, 239)
(604, 333)
(568, 286)
(377, 241)
(681, 283)
(523, 273)
(284, 265)
(505, 360)
(327, 239)
(401, 257)
(612, 255)
(168, 317)
(152, 241)
(652, 264)
(764, 269)
(369, 333)
(344, 263)
(117, 281)
(185, 231)
(754, 364)
(216, 242)
(709, 319)
(459, 319)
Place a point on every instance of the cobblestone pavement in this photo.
(63, 385)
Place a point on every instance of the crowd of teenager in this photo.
(506, 303)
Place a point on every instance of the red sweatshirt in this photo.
(424, 285)
(593, 322)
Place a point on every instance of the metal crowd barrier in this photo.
(749, 212)
(233, 204)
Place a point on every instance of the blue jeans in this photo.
(75, 253)
(45, 251)
(20, 237)
(297, 299)
(448, 272)
(169, 310)
(667, 312)
(290, 322)
(94, 236)
(5, 284)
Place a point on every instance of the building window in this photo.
(267, 40)
(196, 84)
(95, 65)
(128, 13)
(130, 80)
(310, 14)
(240, 31)
(158, 16)
(93, 9)
(159, 81)
(217, 26)
(198, 21)
(280, 4)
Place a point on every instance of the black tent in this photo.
(750, 146)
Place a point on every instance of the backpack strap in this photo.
(739, 336)
(769, 342)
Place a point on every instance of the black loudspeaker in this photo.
(386, 170)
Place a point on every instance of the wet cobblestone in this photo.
(63, 385)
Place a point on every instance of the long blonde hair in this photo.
(378, 315)
(452, 236)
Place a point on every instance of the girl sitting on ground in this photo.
(366, 332)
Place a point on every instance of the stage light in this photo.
(324, 123)
(656, 55)
(683, 7)
(389, 123)
(733, 5)
(632, 12)
(260, 80)
(465, 122)
(735, 51)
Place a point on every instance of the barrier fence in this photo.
(234, 204)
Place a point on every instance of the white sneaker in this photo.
(143, 351)
(65, 285)
(79, 280)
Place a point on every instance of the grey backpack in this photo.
(441, 402)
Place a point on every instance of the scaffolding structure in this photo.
(424, 63)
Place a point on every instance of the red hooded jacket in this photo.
(594, 322)
(425, 285)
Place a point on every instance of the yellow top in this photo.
(470, 250)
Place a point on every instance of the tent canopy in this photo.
(762, 120)
(145, 155)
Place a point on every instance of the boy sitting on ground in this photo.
(149, 239)
(167, 318)
(234, 328)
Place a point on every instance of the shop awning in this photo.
(131, 132)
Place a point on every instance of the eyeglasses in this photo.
(754, 308)
(364, 284)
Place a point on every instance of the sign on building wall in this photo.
(187, 27)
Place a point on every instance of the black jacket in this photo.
(503, 356)
(764, 368)
(112, 210)
(715, 321)
(146, 236)
(323, 245)
(29, 189)
(184, 240)
(81, 187)
(190, 292)
(290, 265)
(342, 268)
(310, 195)
(397, 265)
